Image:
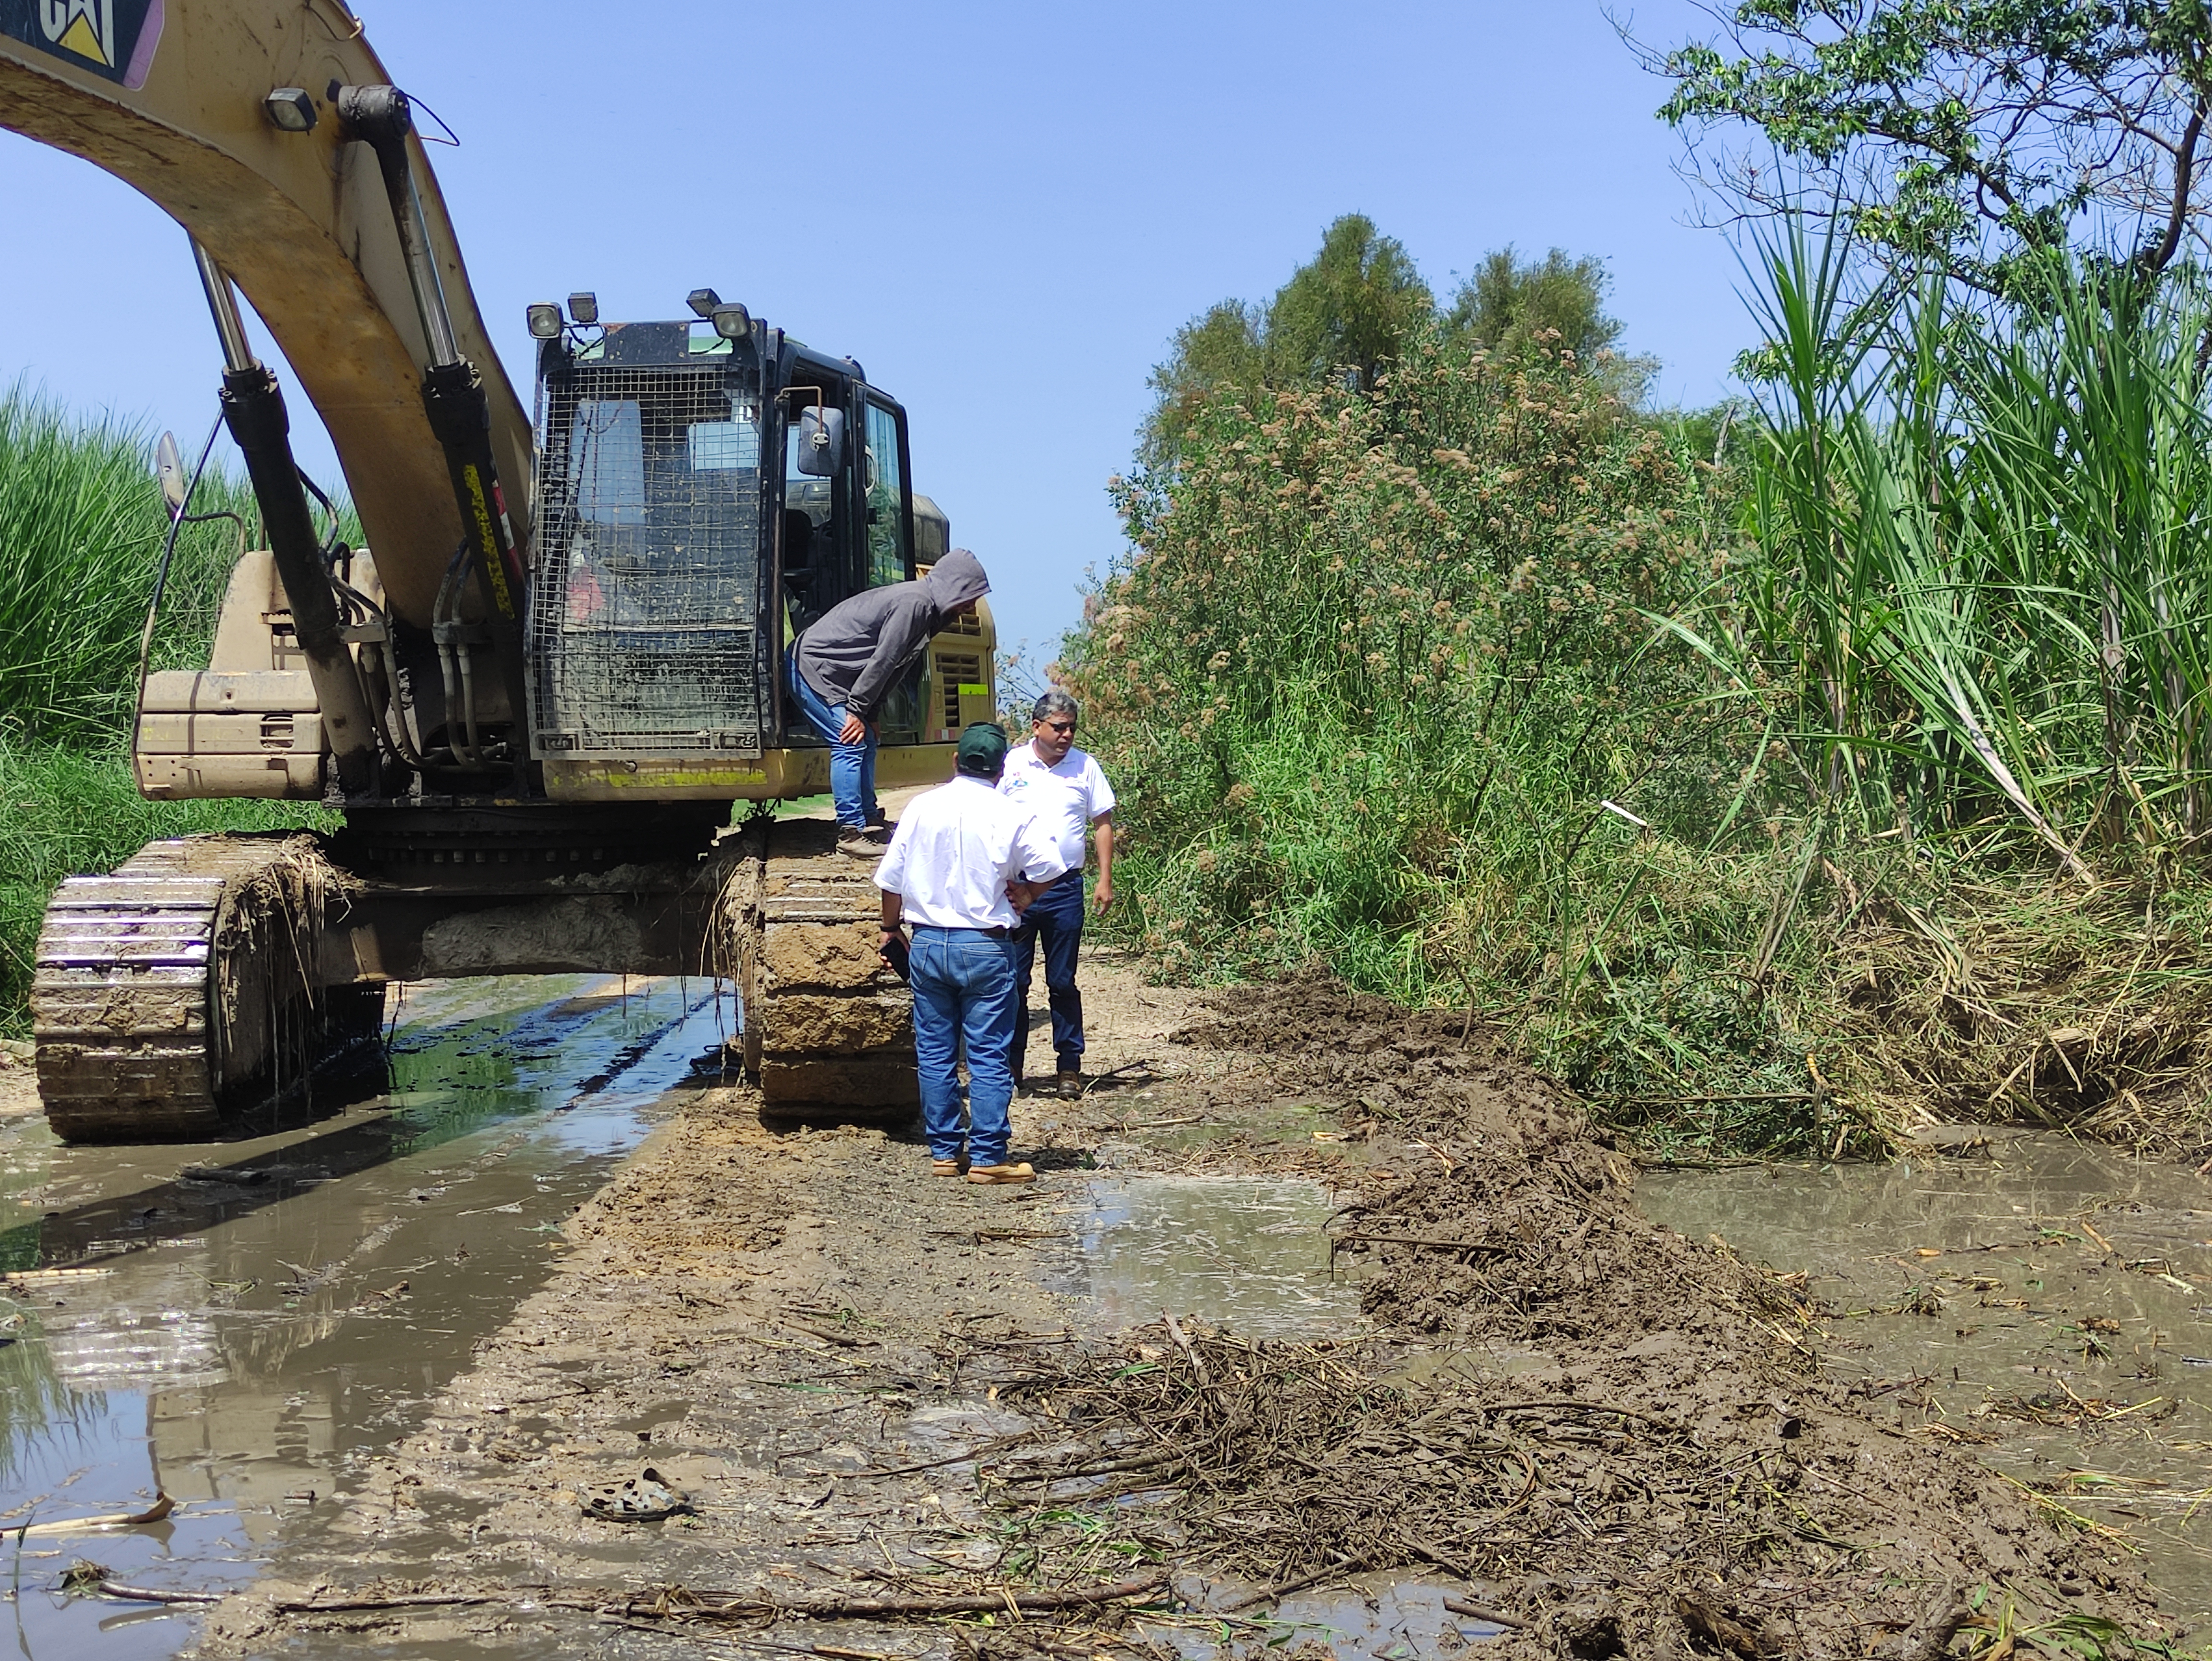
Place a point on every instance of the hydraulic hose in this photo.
(253, 407)
(459, 413)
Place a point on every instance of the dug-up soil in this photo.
(1596, 1437)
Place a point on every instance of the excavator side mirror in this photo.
(170, 468)
(821, 441)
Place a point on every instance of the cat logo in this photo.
(85, 27)
(113, 39)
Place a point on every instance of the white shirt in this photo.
(1063, 798)
(953, 851)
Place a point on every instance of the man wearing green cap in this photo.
(962, 864)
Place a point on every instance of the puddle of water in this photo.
(1973, 1291)
(242, 1324)
(1242, 1252)
(1370, 1618)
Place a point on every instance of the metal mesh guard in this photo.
(644, 625)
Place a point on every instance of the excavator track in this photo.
(829, 1029)
(176, 987)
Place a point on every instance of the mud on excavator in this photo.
(540, 693)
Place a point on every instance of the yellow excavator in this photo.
(538, 693)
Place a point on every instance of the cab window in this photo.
(817, 566)
(888, 557)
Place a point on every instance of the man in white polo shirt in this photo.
(962, 863)
(1062, 789)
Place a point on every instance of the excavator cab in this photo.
(653, 592)
(703, 497)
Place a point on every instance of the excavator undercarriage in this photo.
(208, 973)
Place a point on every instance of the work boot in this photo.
(992, 1175)
(1070, 1084)
(946, 1167)
(864, 844)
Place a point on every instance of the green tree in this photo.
(1350, 309)
(1219, 350)
(1966, 134)
(1511, 305)
(1518, 310)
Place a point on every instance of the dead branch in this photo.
(729, 1605)
(149, 1595)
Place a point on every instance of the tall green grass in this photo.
(1776, 798)
(1983, 576)
(81, 523)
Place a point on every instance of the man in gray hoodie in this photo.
(841, 670)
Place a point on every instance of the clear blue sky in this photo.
(1003, 211)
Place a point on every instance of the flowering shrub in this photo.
(1366, 674)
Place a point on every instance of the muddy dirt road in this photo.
(1479, 1399)
(1433, 1381)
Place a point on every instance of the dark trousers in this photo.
(1054, 920)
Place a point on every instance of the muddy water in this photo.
(2048, 1307)
(1242, 1252)
(239, 1324)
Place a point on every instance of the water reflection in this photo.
(446, 1078)
(241, 1324)
(1244, 1252)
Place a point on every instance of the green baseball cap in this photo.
(982, 750)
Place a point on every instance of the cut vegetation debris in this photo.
(1658, 1460)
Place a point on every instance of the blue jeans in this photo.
(1055, 920)
(963, 988)
(851, 766)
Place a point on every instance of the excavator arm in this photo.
(174, 96)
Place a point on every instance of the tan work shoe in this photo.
(945, 1167)
(987, 1175)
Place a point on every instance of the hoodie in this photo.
(858, 649)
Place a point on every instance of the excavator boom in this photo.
(175, 97)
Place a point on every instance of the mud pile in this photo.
(1623, 1435)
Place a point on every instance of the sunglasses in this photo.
(1063, 728)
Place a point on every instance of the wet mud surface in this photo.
(236, 1324)
(1323, 1328)
(2045, 1303)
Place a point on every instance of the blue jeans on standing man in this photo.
(851, 766)
(1053, 921)
(963, 988)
